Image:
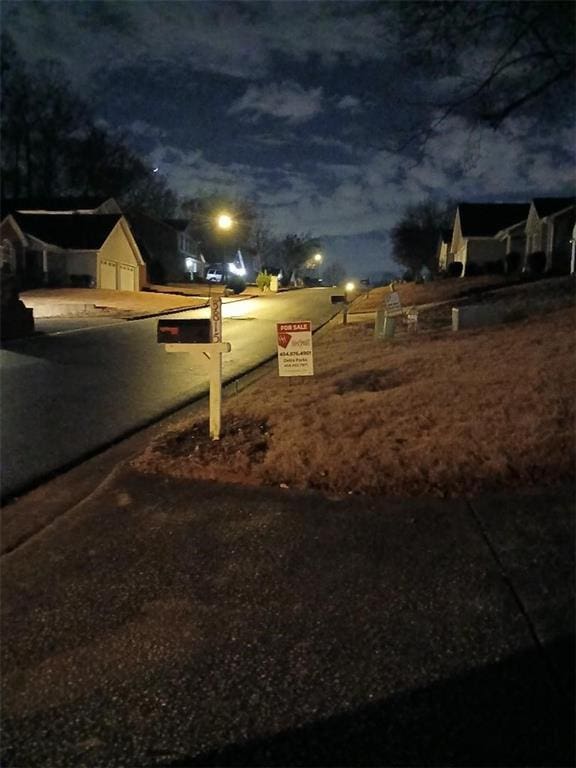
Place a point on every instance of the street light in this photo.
(224, 221)
(317, 258)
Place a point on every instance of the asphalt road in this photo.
(68, 394)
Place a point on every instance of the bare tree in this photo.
(415, 236)
(295, 250)
(494, 59)
(52, 148)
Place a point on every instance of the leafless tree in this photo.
(492, 60)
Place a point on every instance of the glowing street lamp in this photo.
(224, 221)
(350, 287)
(317, 258)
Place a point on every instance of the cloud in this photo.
(348, 102)
(288, 101)
(142, 128)
(236, 39)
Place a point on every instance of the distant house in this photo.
(159, 244)
(514, 240)
(476, 225)
(189, 251)
(548, 230)
(72, 249)
(443, 249)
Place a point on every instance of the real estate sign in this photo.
(295, 357)
(393, 305)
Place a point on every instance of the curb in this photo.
(185, 309)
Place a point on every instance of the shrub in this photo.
(236, 284)
(495, 267)
(537, 262)
(408, 276)
(157, 272)
(454, 269)
(513, 261)
(80, 281)
(263, 281)
(473, 269)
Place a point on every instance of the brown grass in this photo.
(430, 413)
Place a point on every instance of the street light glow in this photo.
(225, 221)
(317, 258)
(350, 286)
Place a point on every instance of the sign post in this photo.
(216, 369)
(295, 355)
(202, 338)
(385, 324)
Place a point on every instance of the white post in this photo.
(215, 366)
(572, 256)
(212, 352)
(216, 318)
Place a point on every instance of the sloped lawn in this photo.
(428, 413)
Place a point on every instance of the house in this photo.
(189, 253)
(72, 248)
(156, 240)
(514, 239)
(159, 244)
(476, 225)
(548, 231)
(443, 249)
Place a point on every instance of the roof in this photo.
(38, 205)
(178, 224)
(545, 206)
(78, 231)
(486, 219)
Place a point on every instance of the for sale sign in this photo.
(295, 356)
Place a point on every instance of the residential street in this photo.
(67, 395)
(164, 623)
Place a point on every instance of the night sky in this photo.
(295, 105)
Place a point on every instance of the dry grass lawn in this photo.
(427, 413)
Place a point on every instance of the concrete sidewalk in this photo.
(172, 623)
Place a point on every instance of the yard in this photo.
(426, 413)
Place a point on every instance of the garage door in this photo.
(108, 275)
(127, 276)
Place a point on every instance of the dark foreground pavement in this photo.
(158, 624)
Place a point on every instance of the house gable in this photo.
(10, 230)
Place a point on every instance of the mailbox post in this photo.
(341, 299)
(202, 338)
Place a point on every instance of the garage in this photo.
(118, 277)
(127, 278)
(108, 275)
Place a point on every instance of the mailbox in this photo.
(184, 331)
(337, 299)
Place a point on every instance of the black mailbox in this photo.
(337, 299)
(184, 331)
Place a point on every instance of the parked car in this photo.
(215, 275)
